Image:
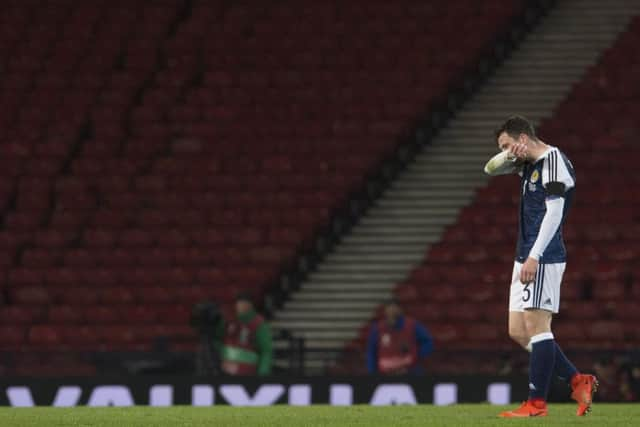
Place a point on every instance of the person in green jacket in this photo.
(246, 341)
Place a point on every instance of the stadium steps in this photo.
(393, 236)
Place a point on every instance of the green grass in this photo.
(421, 415)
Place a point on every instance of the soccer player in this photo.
(547, 188)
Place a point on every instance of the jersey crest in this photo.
(534, 176)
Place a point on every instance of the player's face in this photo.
(242, 307)
(391, 311)
(505, 141)
(515, 146)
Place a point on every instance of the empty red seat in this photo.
(25, 277)
(153, 257)
(45, 335)
(114, 296)
(485, 333)
(141, 314)
(606, 330)
(469, 312)
(156, 294)
(609, 290)
(628, 310)
(12, 336)
(425, 311)
(39, 258)
(6, 259)
(76, 296)
(174, 313)
(81, 337)
(19, 314)
(136, 239)
(447, 333)
(65, 314)
(18, 222)
(570, 330)
(101, 314)
(100, 238)
(117, 335)
(81, 258)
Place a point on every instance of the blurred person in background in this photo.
(634, 382)
(397, 343)
(245, 341)
(615, 380)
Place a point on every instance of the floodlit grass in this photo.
(360, 415)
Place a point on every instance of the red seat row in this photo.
(153, 156)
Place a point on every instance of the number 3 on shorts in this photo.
(526, 293)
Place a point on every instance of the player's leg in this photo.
(583, 385)
(564, 369)
(549, 297)
(537, 323)
(517, 329)
(543, 352)
(519, 298)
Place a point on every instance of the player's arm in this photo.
(549, 226)
(556, 180)
(425, 341)
(265, 349)
(503, 163)
(372, 350)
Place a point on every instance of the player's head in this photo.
(516, 129)
(244, 303)
(392, 310)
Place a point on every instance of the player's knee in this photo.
(531, 327)
(535, 325)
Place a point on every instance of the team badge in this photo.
(534, 176)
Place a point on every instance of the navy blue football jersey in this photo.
(551, 176)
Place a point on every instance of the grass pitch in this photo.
(361, 415)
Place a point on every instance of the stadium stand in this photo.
(596, 125)
(155, 154)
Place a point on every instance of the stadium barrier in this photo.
(300, 391)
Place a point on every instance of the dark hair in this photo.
(515, 126)
(392, 301)
(244, 296)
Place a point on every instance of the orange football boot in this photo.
(527, 409)
(583, 386)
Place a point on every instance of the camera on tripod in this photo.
(205, 318)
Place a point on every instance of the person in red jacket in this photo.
(247, 342)
(397, 343)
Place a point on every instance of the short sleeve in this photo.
(556, 178)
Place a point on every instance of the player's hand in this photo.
(528, 271)
(519, 151)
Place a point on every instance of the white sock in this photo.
(541, 337)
